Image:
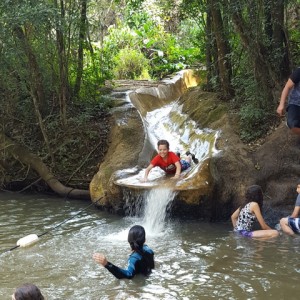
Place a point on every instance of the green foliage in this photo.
(253, 122)
(254, 116)
(130, 64)
(119, 37)
(166, 53)
(135, 16)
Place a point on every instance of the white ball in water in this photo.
(27, 240)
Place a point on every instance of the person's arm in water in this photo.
(254, 208)
(284, 94)
(234, 217)
(178, 170)
(147, 171)
(116, 271)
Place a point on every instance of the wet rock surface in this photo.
(273, 164)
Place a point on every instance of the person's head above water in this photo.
(254, 194)
(136, 237)
(28, 292)
(163, 142)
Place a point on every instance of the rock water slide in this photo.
(216, 186)
(142, 116)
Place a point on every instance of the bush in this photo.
(130, 64)
(253, 122)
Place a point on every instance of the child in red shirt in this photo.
(167, 161)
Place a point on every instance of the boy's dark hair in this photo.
(163, 142)
(28, 292)
(254, 194)
(136, 237)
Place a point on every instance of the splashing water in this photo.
(156, 203)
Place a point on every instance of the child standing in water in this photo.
(141, 260)
(243, 218)
(169, 161)
(291, 224)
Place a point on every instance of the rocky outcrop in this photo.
(273, 163)
(277, 167)
(223, 178)
(128, 144)
(232, 168)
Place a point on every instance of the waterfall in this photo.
(156, 203)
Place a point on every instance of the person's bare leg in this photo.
(189, 159)
(296, 130)
(285, 226)
(265, 234)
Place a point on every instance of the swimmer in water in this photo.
(141, 259)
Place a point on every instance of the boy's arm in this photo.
(284, 94)
(296, 212)
(178, 169)
(148, 169)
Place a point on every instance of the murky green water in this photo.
(193, 260)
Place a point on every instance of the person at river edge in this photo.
(27, 292)
(291, 91)
(169, 161)
(243, 218)
(291, 224)
(141, 260)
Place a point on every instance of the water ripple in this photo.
(193, 260)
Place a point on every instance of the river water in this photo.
(194, 260)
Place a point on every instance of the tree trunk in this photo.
(42, 127)
(208, 51)
(224, 64)
(262, 69)
(280, 43)
(64, 94)
(36, 81)
(82, 35)
(22, 154)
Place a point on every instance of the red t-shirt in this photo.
(169, 165)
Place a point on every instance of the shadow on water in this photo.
(193, 260)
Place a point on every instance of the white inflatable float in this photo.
(27, 240)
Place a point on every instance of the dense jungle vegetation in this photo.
(56, 55)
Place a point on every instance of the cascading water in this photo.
(156, 203)
(167, 122)
(171, 124)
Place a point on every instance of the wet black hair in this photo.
(254, 193)
(136, 237)
(163, 142)
(28, 292)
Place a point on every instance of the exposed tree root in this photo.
(22, 154)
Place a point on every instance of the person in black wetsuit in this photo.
(141, 260)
